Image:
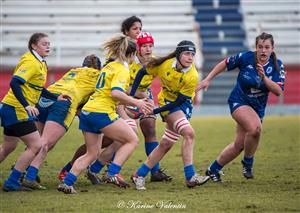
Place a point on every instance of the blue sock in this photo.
(149, 147)
(31, 173)
(14, 178)
(113, 169)
(248, 161)
(67, 167)
(96, 167)
(189, 171)
(70, 179)
(143, 170)
(215, 167)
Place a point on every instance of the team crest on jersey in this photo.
(269, 70)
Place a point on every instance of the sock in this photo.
(215, 167)
(189, 171)
(143, 170)
(14, 178)
(113, 169)
(248, 161)
(70, 179)
(67, 167)
(31, 173)
(149, 147)
(96, 167)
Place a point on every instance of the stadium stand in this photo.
(230, 26)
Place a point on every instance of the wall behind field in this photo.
(291, 93)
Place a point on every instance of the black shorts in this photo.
(20, 129)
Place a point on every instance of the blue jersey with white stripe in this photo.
(250, 89)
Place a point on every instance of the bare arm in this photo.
(271, 85)
(215, 71)
(142, 104)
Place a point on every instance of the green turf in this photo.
(275, 188)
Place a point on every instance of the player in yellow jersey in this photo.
(99, 115)
(178, 77)
(56, 117)
(130, 27)
(145, 43)
(17, 109)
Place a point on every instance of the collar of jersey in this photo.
(41, 59)
(184, 70)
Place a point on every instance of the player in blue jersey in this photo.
(260, 72)
(17, 109)
(178, 77)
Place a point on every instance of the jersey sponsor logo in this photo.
(269, 70)
(250, 67)
(254, 90)
(246, 75)
(22, 71)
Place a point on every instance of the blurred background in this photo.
(218, 27)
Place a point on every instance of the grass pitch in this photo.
(275, 187)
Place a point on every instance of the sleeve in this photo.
(189, 87)
(15, 86)
(47, 94)
(120, 81)
(233, 62)
(25, 71)
(180, 100)
(279, 77)
(137, 80)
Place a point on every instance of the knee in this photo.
(166, 145)
(35, 148)
(255, 131)
(188, 135)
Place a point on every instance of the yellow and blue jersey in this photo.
(32, 71)
(79, 84)
(114, 76)
(173, 82)
(147, 79)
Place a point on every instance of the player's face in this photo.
(42, 47)
(186, 58)
(146, 50)
(264, 50)
(134, 30)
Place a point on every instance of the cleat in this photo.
(117, 179)
(66, 189)
(93, 177)
(33, 185)
(196, 180)
(214, 176)
(61, 176)
(139, 182)
(247, 170)
(160, 176)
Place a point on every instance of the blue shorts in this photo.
(94, 121)
(51, 110)
(8, 115)
(236, 104)
(186, 108)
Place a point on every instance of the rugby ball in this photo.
(133, 112)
